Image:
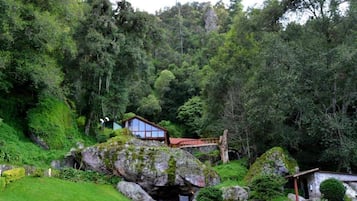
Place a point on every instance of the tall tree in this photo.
(98, 48)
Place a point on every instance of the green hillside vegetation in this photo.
(17, 149)
(53, 121)
(45, 189)
(232, 173)
(196, 68)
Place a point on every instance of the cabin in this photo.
(308, 182)
(146, 130)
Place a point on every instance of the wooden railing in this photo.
(210, 140)
(196, 142)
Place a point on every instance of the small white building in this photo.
(308, 182)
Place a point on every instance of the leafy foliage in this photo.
(209, 194)
(16, 148)
(53, 121)
(234, 170)
(267, 187)
(174, 130)
(190, 114)
(74, 175)
(267, 78)
(332, 189)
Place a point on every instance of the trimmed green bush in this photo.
(210, 194)
(2, 183)
(13, 174)
(267, 187)
(332, 189)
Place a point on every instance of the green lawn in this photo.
(52, 189)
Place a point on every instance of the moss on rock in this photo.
(171, 170)
(274, 161)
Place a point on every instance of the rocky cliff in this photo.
(159, 170)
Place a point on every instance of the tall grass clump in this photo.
(53, 122)
(232, 173)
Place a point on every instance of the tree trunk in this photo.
(88, 123)
(223, 146)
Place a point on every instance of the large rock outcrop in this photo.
(154, 166)
(234, 193)
(274, 161)
(133, 191)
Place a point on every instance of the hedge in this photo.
(13, 174)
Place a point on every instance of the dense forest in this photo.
(283, 74)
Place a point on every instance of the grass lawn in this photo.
(232, 173)
(52, 189)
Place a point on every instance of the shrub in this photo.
(332, 189)
(13, 174)
(210, 194)
(232, 173)
(128, 115)
(81, 121)
(2, 183)
(267, 187)
(213, 157)
(38, 172)
(75, 175)
(175, 130)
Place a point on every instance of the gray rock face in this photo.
(211, 20)
(133, 191)
(234, 193)
(39, 141)
(154, 166)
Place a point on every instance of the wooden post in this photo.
(296, 188)
(223, 146)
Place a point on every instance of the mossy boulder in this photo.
(152, 165)
(234, 193)
(274, 161)
(13, 174)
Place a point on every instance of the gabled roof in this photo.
(146, 121)
(304, 172)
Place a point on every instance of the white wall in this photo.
(314, 180)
